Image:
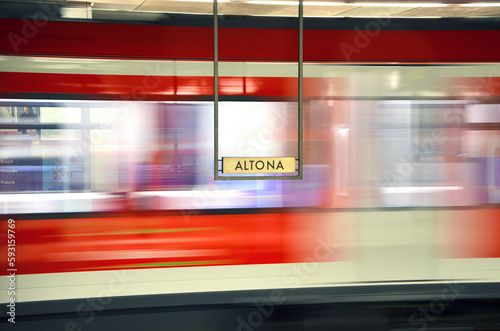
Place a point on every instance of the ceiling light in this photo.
(492, 4)
(325, 3)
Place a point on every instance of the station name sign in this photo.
(258, 165)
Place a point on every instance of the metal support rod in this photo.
(216, 92)
(301, 74)
(216, 103)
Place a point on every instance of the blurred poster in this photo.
(28, 114)
(19, 134)
(18, 171)
(61, 134)
(61, 172)
(11, 134)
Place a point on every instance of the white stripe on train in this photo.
(65, 65)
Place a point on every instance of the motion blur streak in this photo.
(151, 241)
(106, 166)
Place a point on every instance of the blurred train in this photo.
(106, 135)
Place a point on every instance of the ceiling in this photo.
(311, 8)
(319, 8)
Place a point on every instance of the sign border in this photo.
(216, 104)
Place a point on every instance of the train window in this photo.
(175, 150)
(408, 153)
(369, 152)
(481, 147)
(267, 129)
(73, 146)
(37, 148)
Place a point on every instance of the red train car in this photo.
(112, 176)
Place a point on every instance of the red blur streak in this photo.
(187, 42)
(259, 86)
(126, 87)
(147, 41)
(258, 44)
(107, 40)
(471, 234)
(131, 87)
(475, 86)
(65, 245)
(402, 46)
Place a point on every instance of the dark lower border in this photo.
(376, 292)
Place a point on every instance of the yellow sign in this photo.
(258, 165)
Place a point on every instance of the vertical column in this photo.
(300, 78)
(216, 92)
(216, 104)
